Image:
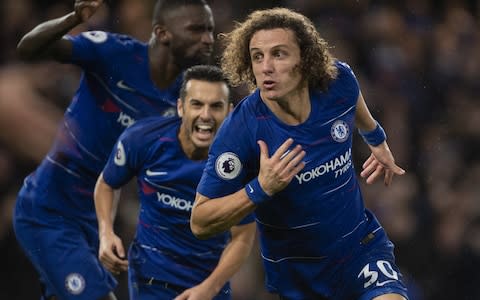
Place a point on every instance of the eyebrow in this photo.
(274, 47)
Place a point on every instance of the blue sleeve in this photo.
(349, 83)
(99, 50)
(248, 219)
(125, 160)
(226, 169)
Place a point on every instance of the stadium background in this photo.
(418, 63)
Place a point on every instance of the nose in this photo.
(267, 65)
(206, 113)
(207, 38)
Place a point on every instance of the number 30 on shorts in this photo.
(371, 276)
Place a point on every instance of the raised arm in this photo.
(381, 162)
(111, 251)
(46, 40)
(233, 256)
(213, 216)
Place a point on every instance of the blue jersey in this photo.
(164, 247)
(115, 90)
(321, 213)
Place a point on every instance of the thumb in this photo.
(120, 249)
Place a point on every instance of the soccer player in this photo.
(167, 156)
(290, 161)
(123, 80)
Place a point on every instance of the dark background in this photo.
(418, 64)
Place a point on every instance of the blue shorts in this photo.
(64, 252)
(363, 272)
(153, 289)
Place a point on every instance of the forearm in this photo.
(36, 43)
(233, 256)
(213, 216)
(104, 206)
(363, 118)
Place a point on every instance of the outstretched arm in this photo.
(111, 252)
(45, 40)
(233, 256)
(381, 162)
(212, 216)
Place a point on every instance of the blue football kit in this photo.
(165, 257)
(54, 218)
(318, 241)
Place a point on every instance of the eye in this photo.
(218, 106)
(279, 53)
(257, 57)
(195, 104)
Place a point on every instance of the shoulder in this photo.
(344, 70)
(148, 129)
(346, 83)
(245, 113)
(106, 40)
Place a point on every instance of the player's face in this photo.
(203, 110)
(275, 57)
(192, 37)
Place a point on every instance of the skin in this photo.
(171, 48)
(186, 38)
(275, 57)
(202, 111)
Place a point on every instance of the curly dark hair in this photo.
(317, 64)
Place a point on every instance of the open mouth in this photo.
(268, 84)
(204, 131)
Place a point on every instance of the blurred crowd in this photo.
(418, 64)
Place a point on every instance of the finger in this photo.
(369, 169)
(297, 164)
(294, 161)
(282, 149)
(288, 156)
(375, 175)
(388, 177)
(397, 170)
(122, 265)
(182, 296)
(369, 160)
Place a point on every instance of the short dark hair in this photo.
(208, 73)
(163, 7)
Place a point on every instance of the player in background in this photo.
(167, 156)
(123, 80)
(290, 161)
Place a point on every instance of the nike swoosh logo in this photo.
(153, 173)
(384, 282)
(250, 189)
(123, 86)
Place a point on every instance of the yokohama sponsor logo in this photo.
(339, 165)
(125, 119)
(174, 202)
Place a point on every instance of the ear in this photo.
(230, 107)
(180, 107)
(161, 33)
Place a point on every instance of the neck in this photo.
(190, 150)
(163, 71)
(293, 109)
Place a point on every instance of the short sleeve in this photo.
(125, 160)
